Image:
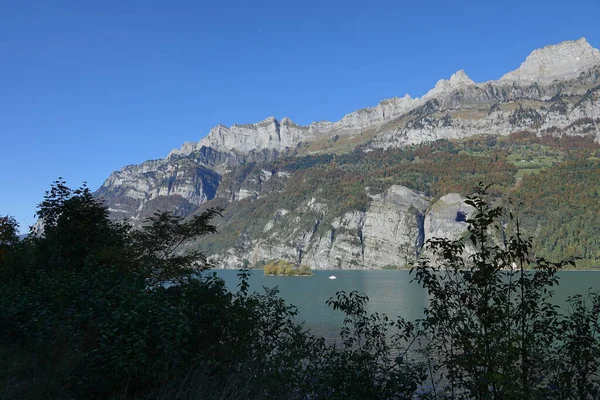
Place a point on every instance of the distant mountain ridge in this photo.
(546, 67)
(555, 92)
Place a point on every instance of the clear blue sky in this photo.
(87, 87)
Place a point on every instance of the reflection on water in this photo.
(390, 292)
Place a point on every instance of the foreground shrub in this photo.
(92, 309)
(490, 330)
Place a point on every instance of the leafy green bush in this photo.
(304, 270)
(91, 295)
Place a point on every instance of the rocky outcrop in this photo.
(178, 183)
(446, 217)
(135, 192)
(267, 134)
(393, 227)
(444, 87)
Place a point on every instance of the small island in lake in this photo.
(285, 268)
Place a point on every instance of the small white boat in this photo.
(332, 277)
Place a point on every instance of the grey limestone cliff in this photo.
(136, 192)
(446, 217)
(391, 232)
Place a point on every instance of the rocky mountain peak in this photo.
(559, 61)
(458, 79)
(187, 148)
(268, 121)
(286, 121)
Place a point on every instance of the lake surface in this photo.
(390, 292)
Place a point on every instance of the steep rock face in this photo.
(393, 226)
(447, 217)
(177, 183)
(366, 117)
(388, 233)
(267, 134)
(342, 244)
(136, 191)
(250, 184)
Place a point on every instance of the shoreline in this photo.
(397, 269)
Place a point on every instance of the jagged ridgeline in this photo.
(368, 190)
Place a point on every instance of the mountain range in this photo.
(368, 190)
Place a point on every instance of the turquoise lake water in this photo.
(390, 292)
